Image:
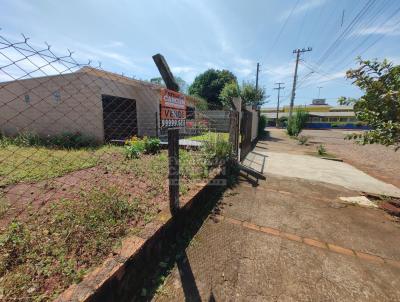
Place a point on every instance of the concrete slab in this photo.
(333, 172)
(240, 262)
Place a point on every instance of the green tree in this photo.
(229, 91)
(379, 107)
(248, 92)
(209, 85)
(252, 96)
(183, 86)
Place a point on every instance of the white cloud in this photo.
(309, 4)
(182, 69)
(389, 30)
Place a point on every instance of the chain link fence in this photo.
(82, 164)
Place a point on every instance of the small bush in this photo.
(335, 125)
(151, 145)
(70, 140)
(262, 123)
(321, 150)
(217, 152)
(297, 123)
(136, 146)
(302, 139)
(282, 122)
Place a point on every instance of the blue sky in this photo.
(235, 35)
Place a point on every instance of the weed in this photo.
(4, 205)
(67, 140)
(135, 146)
(321, 150)
(63, 242)
(302, 139)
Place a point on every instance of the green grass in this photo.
(22, 164)
(54, 246)
(42, 256)
(211, 136)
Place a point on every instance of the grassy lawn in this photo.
(53, 246)
(23, 164)
(211, 136)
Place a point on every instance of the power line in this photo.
(282, 28)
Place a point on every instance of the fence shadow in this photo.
(175, 253)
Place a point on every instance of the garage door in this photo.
(119, 116)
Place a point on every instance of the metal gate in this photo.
(119, 117)
(245, 132)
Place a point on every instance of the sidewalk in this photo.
(289, 240)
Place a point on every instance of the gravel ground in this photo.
(379, 161)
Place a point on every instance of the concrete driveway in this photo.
(323, 170)
(289, 239)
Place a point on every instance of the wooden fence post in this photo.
(173, 175)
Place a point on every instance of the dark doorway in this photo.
(119, 116)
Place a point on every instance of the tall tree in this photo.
(379, 107)
(229, 91)
(209, 85)
(183, 86)
(251, 95)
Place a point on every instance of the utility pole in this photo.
(258, 70)
(319, 90)
(277, 107)
(297, 52)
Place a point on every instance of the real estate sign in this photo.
(173, 109)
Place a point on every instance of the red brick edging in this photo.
(311, 242)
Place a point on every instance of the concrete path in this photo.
(289, 240)
(292, 238)
(314, 168)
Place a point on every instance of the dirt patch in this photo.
(54, 230)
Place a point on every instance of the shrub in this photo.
(302, 139)
(217, 152)
(282, 121)
(262, 123)
(297, 122)
(151, 145)
(321, 150)
(136, 146)
(335, 125)
(70, 140)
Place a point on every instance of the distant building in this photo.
(321, 115)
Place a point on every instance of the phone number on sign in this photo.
(172, 123)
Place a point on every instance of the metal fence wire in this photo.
(82, 164)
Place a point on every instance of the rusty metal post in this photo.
(173, 176)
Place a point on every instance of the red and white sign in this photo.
(173, 109)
